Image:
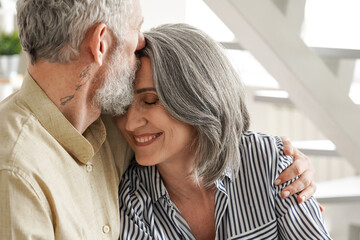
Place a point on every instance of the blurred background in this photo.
(299, 60)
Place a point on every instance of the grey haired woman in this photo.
(200, 174)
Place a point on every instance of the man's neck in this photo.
(71, 87)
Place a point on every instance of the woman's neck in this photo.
(195, 202)
(177, 175)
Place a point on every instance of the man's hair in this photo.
(53, 30)
(197, 85)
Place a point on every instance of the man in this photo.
(59, 167)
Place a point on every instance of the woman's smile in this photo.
(146, 139)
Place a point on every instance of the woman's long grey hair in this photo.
(197, 85)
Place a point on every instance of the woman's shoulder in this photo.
(257, 141)
(263, 151)
(259, 138)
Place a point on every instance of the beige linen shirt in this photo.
(56, 183)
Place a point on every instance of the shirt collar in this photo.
(81, 147)
(158, 189)
(226, 176)
(157, 186)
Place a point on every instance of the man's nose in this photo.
(141, 41)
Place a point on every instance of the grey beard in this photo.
(117, 92)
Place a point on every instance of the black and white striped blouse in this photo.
(247, 206)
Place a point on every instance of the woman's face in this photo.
(151, 132)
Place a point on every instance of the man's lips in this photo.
(146, 139)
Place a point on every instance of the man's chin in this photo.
(115, 95)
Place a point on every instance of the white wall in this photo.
(158, 12)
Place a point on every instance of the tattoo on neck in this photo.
(78, 86)
(66, 99)
(85, 72)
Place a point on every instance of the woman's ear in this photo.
(99, 43)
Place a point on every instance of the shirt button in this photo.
(89, 168)
(106, 229)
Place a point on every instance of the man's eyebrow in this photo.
(141, 90)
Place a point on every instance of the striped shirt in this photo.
(247, 204)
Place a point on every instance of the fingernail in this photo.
(303, 198)
(277, 182)
(286, 194)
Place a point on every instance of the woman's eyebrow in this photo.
(141, 90)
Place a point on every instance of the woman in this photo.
(209, 176)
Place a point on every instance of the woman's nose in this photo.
(134, 119)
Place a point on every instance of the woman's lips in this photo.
(146, 139)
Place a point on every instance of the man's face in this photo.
(117, 92)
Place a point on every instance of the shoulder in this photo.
(261, 144)
(26, 146)
(261, 140)
(264, 152)
(21, 136)
(17, 122)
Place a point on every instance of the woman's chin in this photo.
(145, 161)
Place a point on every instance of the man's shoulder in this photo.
(14, 118)
(22, 138)
(13, 111)
(13, 106)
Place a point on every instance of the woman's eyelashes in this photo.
(151, 103)
(150, 99)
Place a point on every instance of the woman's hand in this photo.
(302, 167)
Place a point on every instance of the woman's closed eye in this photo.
(151, 103)
(150, 99)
